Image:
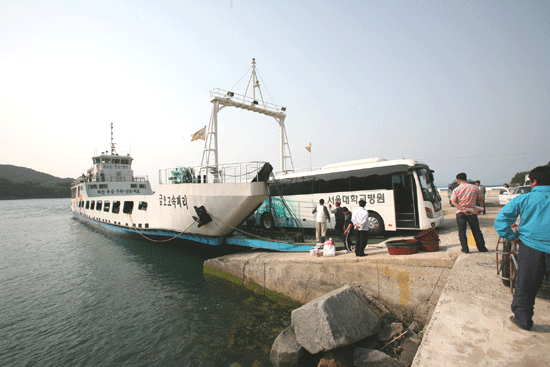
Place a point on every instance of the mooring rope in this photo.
(158, 241)
(253, 235)
(222, 222)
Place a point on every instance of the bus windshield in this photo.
(429, 191)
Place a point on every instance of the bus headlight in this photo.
(429, 212)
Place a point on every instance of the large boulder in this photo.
(373, 358)
(339, 318)
(286, 352)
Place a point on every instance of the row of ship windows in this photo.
(106, 206)
(105, 186)
(113, 161)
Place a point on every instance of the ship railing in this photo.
(115, 178)
(222, 173)
(238, 100)
(140, 179)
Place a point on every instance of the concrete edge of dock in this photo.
(406, 287)
(459, 297)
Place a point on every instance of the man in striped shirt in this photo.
(465, 198)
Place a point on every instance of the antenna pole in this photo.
(255, 82)
(112, 142)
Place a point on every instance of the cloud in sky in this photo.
(461, 86)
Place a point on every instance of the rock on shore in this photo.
(338, 330)
(339, 318)
(286, 350)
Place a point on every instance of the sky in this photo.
(460, 85)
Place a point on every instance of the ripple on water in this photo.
(75, 295)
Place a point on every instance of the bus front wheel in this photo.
(376, 225)
(266, 221)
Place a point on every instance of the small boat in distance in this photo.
(194, 203)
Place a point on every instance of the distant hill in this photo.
(18, 174)
(25, 183)
(521, 177)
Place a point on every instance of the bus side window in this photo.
(319, 186)
(339, 182)
(297, 186)
(366, 180)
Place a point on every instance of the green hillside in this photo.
(25, 183)
(21, 174)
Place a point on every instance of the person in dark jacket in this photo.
(483, 191)
(339, 219)
(348, 230)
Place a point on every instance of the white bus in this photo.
(400, 195)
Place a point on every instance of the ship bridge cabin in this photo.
(111, 174)
(111, 168)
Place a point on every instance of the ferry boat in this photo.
(195, 203)
(202, 204)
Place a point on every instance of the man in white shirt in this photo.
(359, 218)
(321, 221)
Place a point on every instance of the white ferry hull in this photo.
(170, 210)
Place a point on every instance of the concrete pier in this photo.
(406, 286)
(458, 296)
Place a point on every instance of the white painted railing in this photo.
(229, 172)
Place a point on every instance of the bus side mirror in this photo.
(430, 177)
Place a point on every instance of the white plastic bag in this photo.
(329, 248)
(317, 250)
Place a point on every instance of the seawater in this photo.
(72, 294)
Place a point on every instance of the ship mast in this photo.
(113, 152)
(221, 98)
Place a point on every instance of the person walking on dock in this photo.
(348, 230)
(360, 218)
(533, 237)
(321, 221)
(339, 219)
(483, 191)
(465, 198)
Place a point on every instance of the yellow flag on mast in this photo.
(199, 134)
(308, 147)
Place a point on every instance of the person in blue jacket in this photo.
(533, 236)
